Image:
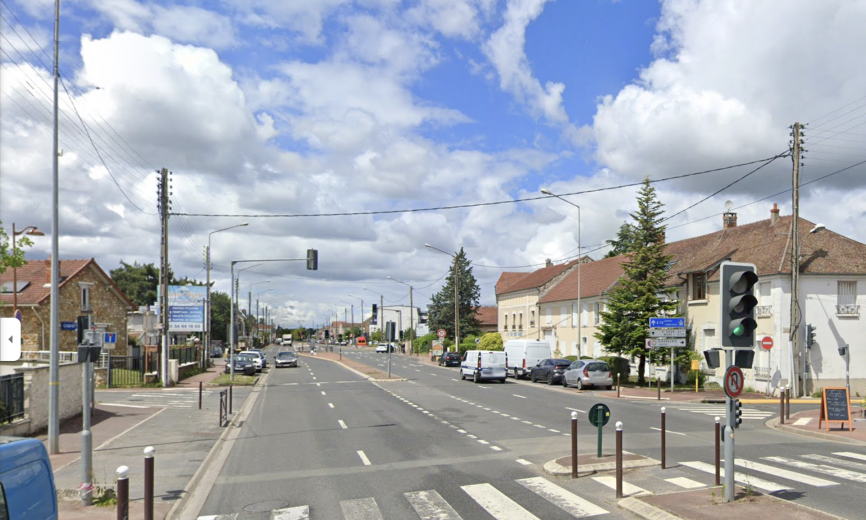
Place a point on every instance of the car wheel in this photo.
(462, 376)
(609, 387)
(532, 377)
(564, 382)
(477, 378)
(579, 384)
(502, 380)
(550, 379)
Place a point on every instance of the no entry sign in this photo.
(767, 343)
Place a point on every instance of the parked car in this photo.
(588, 372)
(243, 365)
(286, 359)
(523, 354)
(383, 347)
(27, 489)
(482, 365)
(450, 359)
(255, 358)
(549, 370)
(262, 354)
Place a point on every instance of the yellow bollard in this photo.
(696, 366)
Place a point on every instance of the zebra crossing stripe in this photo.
(361, 509)
(565, 500)
(850, 454)
(232, 516)
(291, 513)
(820, 468)
(496, 503)
(749, 480)
(627, 489)
(784, 473)
(431, 506)
(834, 460)
(684, 482)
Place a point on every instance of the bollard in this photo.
(230, 399)
(660, 388)
(123, 493)
(341, 354)
(788, 402)
(617, 385)
(199, 395)
(718, 452)
(782, 406)
(619, 459)
(573, 444)
(148, 483)
(663, 437)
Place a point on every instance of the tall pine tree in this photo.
(640, 293)
(440, 313)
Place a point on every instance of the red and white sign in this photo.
(441, 333)
(767, 343)
(734, 382)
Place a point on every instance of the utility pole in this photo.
(797, 358)
(456, 308)
(206, 332)
(54, 334)
(164, 191)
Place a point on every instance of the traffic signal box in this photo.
(312, 259)
(738, 413)
(736, 285)
(810, 336)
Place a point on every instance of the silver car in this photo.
(286, 359)
(588, 372)
(253, 357)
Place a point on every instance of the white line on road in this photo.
(482, 386)
(461, 431)
(343, 425)
(749, 480)
(496, 448)
(520, 396)
(123, 405)
(574, 410)
(291, 513)
(431, 506)
(627, 489)
(496, 503)
(331, 405)
(482, 441)
(554, 431)
(524, 462)
(565, 500)
(684, 482)
(323, 392)
(784, 473)
(666, 430)
(364, 458)
(802, 421)
(850, 454)
(454, 379)
(820, 468)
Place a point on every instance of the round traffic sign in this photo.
(441, 333)
(598, 412)
(477, 340)
(734, 381)
(767, 343)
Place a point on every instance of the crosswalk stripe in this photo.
(784, 473)
(496, 503)
(820, 468)
(749, 480)
(232, 516)
(361, 509)
(431, 506)
(802, 421)
(834, 460)
(627, 489)
(565, 500)
(850, 454)
(684, 482)
(291, 513)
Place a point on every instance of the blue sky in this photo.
(265, 107)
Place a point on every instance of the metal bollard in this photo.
(123, 493)
(230, 399)
(573, 444)
(619, 459)
(617, 385)
(663, 437)
(718, 452)
(148, 482)
(788, 402)
(660, 388)
(782, 406)
(199, 395)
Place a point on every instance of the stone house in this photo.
(88, 297)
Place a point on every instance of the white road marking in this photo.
(666, 430)
(526, 422)
(323, 392)
(231, 516)
(331, 405)
(520, 396)
(820, 468)
(364, 458)
(565, 500)
(461, 431)
(343, 425)
(834, 460)
(455, 380)
(627, 489)
(472, 436)
(482, 386)
(684, 482)
(431, 506)
(554, 431)
(784, 473)
(291, 513)
(482, 441)
(123, 405)
(496, 503)
(802, 421)
(574, 410)
(361, 509)
(851, 455)
(496, 448)
(770, 487)
(523, 462)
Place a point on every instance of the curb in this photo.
(774, 424)
(644, 510)
(557, 469)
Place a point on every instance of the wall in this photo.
(36, 380)
(515, 304)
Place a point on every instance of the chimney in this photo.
(729, 220)
(548, 262)
(774, 215)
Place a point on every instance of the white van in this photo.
(482, 365)
(523, 354)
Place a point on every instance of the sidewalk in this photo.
(806, 423)
(181, 436)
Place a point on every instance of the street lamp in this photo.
(30, 231)
(579, 262)
(257, 306)
(456, 304)
(362, 315)
(381, 313)
(411, 314)
(208, 277)
(796, 317)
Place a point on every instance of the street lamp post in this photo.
(411, 314)
(257, 308)
(579, 262)
(362, 315)
(207, 298)
(31, 231)
(456, 300)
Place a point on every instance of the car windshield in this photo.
(597, 367)
(286, 354)
(561, 362)
(246, 355)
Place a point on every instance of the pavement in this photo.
(124, 422)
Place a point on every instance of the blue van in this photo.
(27, 489)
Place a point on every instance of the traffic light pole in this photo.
(729, 436)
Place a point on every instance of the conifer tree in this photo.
(440, 312)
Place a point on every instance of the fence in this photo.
(11, 397)
(184, 354)
(125, 371)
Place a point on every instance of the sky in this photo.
(342, 125)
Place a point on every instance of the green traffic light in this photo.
(739, 330)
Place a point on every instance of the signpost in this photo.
(665, 342)
(667, 323)
(667, 333)
(599, 415)
(68, 325)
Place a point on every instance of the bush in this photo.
(423, 343)
(571, 358)
(618, 365)
(702, 378)
(491, 341)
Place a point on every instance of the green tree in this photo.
(638, 293)
(7, 259)
(624, 242)
(139, 281)
(441, 309)
(220, 310)
(491, 341)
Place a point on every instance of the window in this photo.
(584, 314)
(563, 315)
(699, 286)
(532, 318)
(847, 293)
(85, 298)
(513, 321)
(520, 323)
(764, 293)
(574, 315)
(596, 311)
(549, 315)
(506, 321)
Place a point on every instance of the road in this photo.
(324, 442)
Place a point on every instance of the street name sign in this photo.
(68, 325)
(667, 323)
(667, 333)
(666, 342)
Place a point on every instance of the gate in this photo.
(11, 397)
(125, 371)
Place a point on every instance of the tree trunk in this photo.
(640, 370)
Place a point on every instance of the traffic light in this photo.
(810, 336)
(738, 413)
(312, 259)
(375, 309)
(737, 304)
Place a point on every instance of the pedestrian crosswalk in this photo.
(719, 410)
(176, 398)
(769, 474)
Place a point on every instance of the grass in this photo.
(225, 380)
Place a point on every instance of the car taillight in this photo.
(524, 363)
(610, 375)
(479, 361)
(585, 372)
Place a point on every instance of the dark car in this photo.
(549, 370)
(450, 359)
(242, 366)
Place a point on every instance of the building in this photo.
(488, 318)
(88, 297)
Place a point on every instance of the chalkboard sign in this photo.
(835, 407)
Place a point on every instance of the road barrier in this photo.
(718, 451)
(148, 483)
(199, 395)
(619, 459)
(123, 493)
(663, 437)
(782, 406)
(788, 402)
(573, 444)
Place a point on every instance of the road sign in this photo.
(667, 323)
(597, 410)
(68, 325)
(110, 337)
(767, 343)
(441, 333)
(666, 342)
(667, 333)
(734, 381)
(477, 340)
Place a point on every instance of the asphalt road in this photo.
(324, 437)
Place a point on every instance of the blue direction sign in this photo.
(68, 325)
(110, 337)
(667, 323)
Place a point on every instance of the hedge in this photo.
(618, 365)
